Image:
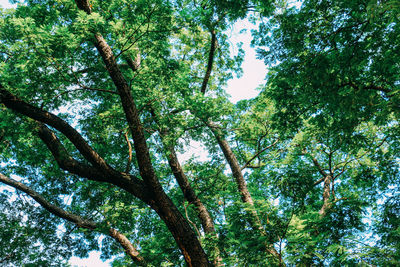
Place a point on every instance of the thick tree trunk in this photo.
(326, 195)
(184, 235)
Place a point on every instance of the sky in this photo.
(254, 72)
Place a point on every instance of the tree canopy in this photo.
(100, 99)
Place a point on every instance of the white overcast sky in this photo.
(254, 72)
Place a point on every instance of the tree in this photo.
(99, 98)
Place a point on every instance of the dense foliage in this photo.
(99, 100)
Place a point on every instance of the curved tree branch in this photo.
(66, 162)
(76, 219)
(211, 55)
(258, 154)
(14, 103)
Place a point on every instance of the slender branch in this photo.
(82, 88)
(367, 87)
(192, 223)
(128, 164)
(316, 163)
(123, 49)
(258, 153)
(76, 219)
(59, 212)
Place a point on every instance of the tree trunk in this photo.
(205, 218)
(184, 235)
(326, 195)
(182, 232)
(242, 186)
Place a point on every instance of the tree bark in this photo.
(230, 156)
(211, 55)
(161, 203)
(326, 195)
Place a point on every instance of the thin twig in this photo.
(187, 217)
(258, 153)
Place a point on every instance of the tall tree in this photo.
(100, 99)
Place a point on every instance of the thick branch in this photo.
(184, 236)
(78, 220)
(188, 192)
(20, 106)
(128, 246)
(210, 62)
(66, 162)
(131, 114)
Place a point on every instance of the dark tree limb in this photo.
(211, 55)
(190, 195)
(14, 103)
(183, 234)
(241, 184)
(76, 219)
(59, 212)
(128, 182)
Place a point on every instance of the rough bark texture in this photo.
(230, 156)
(188, 192)
(14, 103)
(161, 203)
(128, 182)
(205, 217)
(327, 178)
